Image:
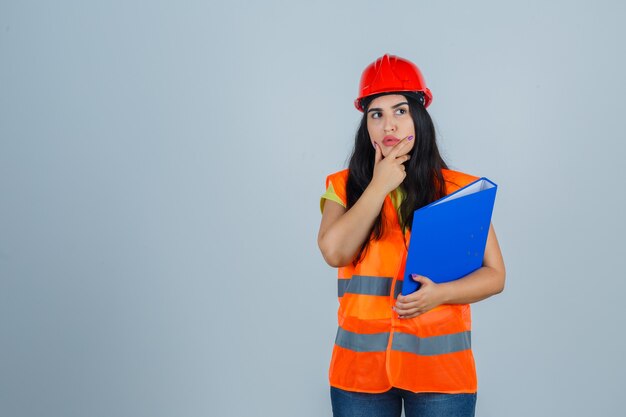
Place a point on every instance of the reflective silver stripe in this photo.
(360, 284)
(376, 342)
(398, 289)
(342, 284)
(435, 345)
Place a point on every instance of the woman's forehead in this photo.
(388, 100)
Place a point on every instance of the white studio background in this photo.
(160, 171)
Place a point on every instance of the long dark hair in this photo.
(424, 181)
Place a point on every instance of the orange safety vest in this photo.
(374, 350)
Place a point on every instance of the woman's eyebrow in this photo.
(395, 106)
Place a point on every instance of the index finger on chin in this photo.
(396, 148)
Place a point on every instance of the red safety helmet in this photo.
(391, 73)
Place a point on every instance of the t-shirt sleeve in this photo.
(335, 190)
(330, 194)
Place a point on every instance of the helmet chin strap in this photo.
(418, 95)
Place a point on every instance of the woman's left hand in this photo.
(429, 296)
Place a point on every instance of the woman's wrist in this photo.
(447, 292)
(376, 191)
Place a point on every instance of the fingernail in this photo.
(374, 145)
(409, 138)
(413, 275)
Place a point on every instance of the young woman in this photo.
(391, 348)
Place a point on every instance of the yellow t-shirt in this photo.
(397, 196)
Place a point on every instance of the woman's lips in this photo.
(390, 141)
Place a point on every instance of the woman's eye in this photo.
(401, 111)
(376, 115)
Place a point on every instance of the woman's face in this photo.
(388, 121)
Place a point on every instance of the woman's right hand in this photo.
(389, 171)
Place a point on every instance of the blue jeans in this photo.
(389, 404)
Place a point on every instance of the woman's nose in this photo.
(389, 125)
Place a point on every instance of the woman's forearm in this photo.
(478, 285)
(341, 242)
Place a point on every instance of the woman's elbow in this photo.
(333, 258)
(501, 274)
(334, 261)
(332, 255)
